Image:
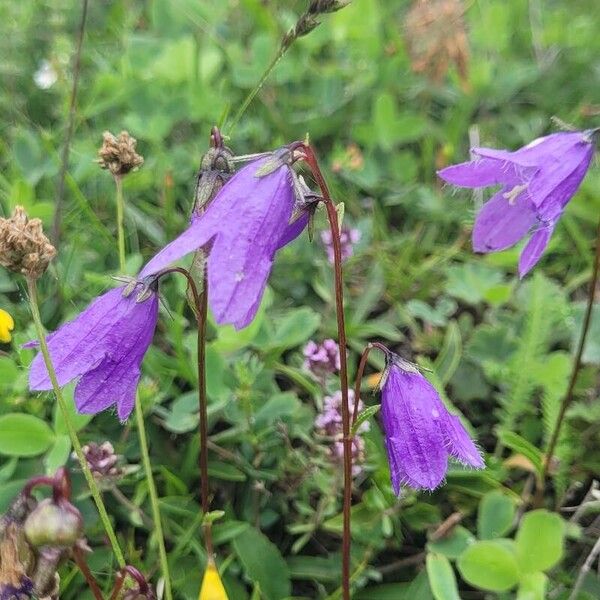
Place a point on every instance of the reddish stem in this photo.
(85, 570)
(359, 374)
(311, 160)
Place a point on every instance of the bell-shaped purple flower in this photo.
(243, 227)
(537, 183)
(420, 434)
(103, 347)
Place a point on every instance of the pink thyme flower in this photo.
(537, 183)
(348, 237)
(420, 434)
(329, 423)
(322, 359)
(244, 226)
(102, 348)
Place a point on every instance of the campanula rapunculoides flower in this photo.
(537, 183)
(245, 225)
(322, 359)
(420, 434)
(103, 348)
(7, 324)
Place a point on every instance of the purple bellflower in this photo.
(244, 226)
(420, 434)
(103, 348)
(537, 182)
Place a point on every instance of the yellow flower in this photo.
(212, 586)
(6, 326)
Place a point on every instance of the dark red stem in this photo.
(359, 374)
(312, 162)
(87, 574)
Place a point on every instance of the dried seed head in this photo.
(23, 246)
(436, 37)
(118, 155)
(103, 462)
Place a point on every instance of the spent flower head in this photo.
(102, 348)
(102, 461)
(537, 182)
(24, 248)
(420, 433)
(242, 228)
(118, 155)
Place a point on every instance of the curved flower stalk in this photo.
(537, 182)
(245, 225)
(7, 324)
(103, 347)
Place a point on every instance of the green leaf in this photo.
(24, 435)
(520, 445)
(496, 514)
(471, 282)
(365, 415)
(448, 359)
(263, 564)
(441, 578)
(453, 545)
(540, 541)
(294, 328)
(58, 454)
(79, 420)
(532, 587)
(489, 565)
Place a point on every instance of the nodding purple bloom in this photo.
(103, 348)
(348, 237)
(244, 226)
(329, 423)
(537, 183)
(420, 434)
(322, 359)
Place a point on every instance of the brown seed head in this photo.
(118, 155)
(436, 37)
(23, 246)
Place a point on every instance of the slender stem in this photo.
(164, 563)
(85, 570)
(201, 309)
(311, 159)
(120, 222)
(576, 363)
(246, 103)
(60, 193)
(585, 569)
(139, 414)
(35, 312)
(359, 374)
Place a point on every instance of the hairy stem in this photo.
(576, 363)
(311, 159)
(139, 415)
(64, 163)
(35, 312)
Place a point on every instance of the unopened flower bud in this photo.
(51, 524)
(23, 246)
(118, 155)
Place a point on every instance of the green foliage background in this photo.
(167, 70)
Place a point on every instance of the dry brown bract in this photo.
(436, 37)
(23, 246)
(118, 154)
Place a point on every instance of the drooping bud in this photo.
(23, 246)
(118, 155)
(53, 524)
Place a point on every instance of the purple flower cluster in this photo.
(322, 359)
(536, 182)
(420, 433)
(242, 229)
(329, 423)
(348, 237)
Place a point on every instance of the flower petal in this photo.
(81, 343)
(458, 442)
(534, 249)
(502, 223)
(410, 414)
(484, 171)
